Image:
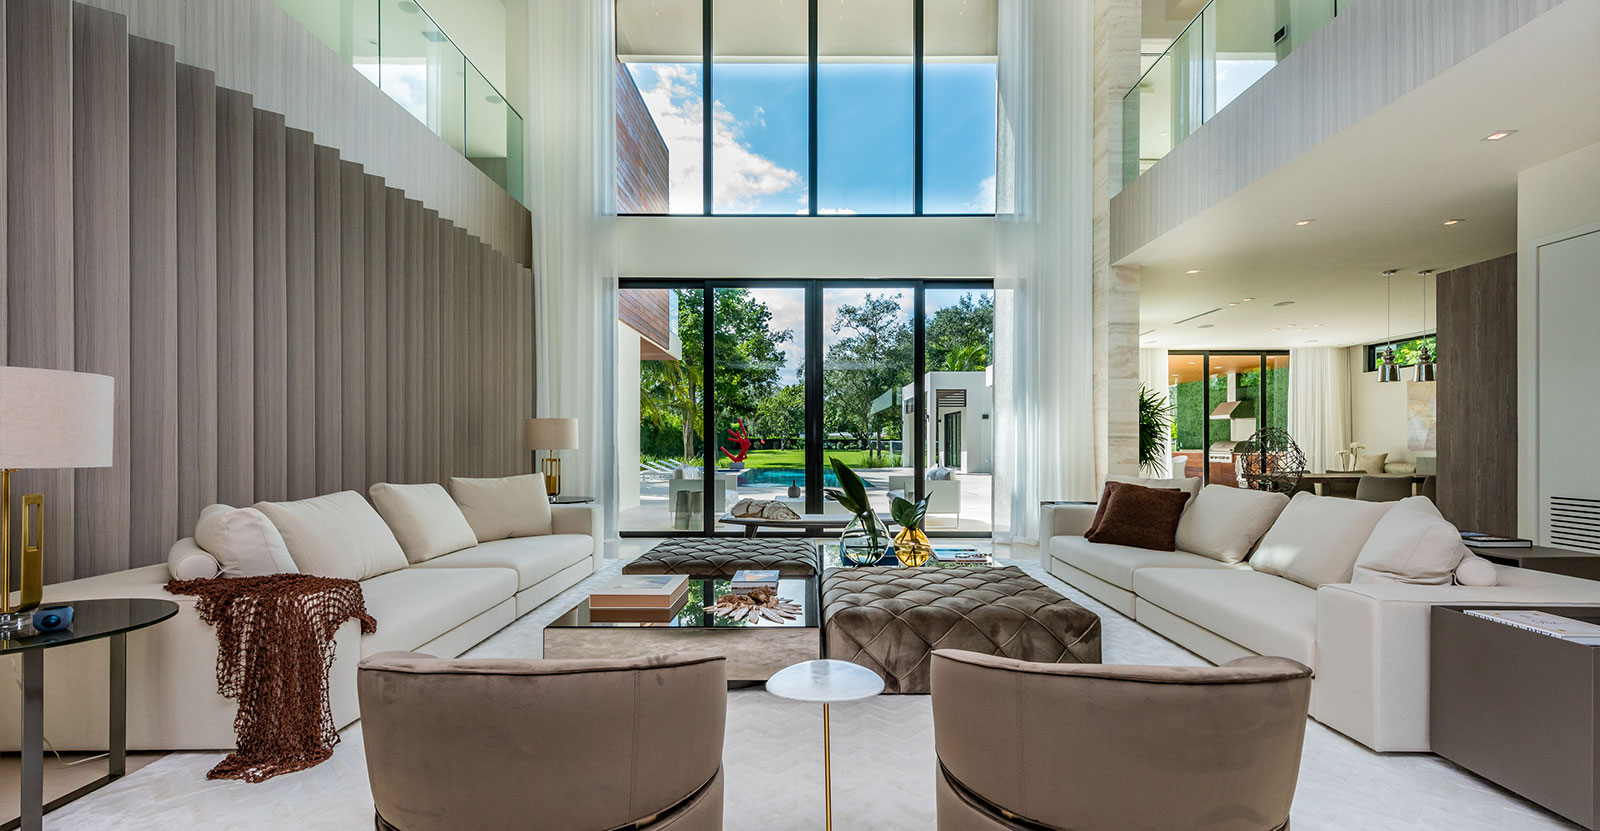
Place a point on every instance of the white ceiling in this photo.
(1379, 193)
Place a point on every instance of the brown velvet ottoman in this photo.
(722, 557)
(890, 620)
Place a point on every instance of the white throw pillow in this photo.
(512, 506)
(1411, 544)
(338, 535)
(1189, 486)
(424, 518)
(1476, 571)
(1223, 523)
(1317, 538)
(188, 561)
(244, 541)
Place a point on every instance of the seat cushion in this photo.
(534, 559)
(1116, 564)
(1316, 540)
(1262, 613)
(337, 535)
(415, 605)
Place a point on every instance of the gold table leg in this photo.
(827, 768)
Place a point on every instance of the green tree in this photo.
(961, 335)
(873, 357)
(669, 399)
(781, 415)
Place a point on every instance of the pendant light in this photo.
(1425, 366)
(1387, 370)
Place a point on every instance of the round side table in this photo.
(826, 682)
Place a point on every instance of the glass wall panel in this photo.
(422, 70)
(1243, 45)
(1187, 394)
(959, 408)
(486, 127)
(762, 109)
(660, 406)
(958, 108)
(865, 106)
(868, 363)
(660, 106)
(1275, 411)
(760, 423)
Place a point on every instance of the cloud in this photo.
(983, 202)
(740, 179)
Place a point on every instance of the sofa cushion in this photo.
(1189, 486)
(1116, 564)
(1411, 544)
(1265, 614)
(1317, 538)
(534, 559)
(245, 542)
(337, 535)
(1139, 516)
(1476, 571)
(1113, 484)
(1225, 522)
(188, 561)
(1371, 464)
(510, 506)
(425, 520)
(415, 605)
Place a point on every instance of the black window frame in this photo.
(1205, 376)
(1374, 349)
(708, 125)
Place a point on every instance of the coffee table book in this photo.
(747, 579)
(645, 614)
(641, 591)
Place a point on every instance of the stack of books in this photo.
(1556, 626)
(1476, 540)
(640, 598)
(746, 579)
(961, 555)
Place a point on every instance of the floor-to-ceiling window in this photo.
(749, 389)
(1220, 398)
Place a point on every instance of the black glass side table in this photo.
(92, 620)
(571, 500)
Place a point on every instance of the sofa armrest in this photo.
(1070, 520)
(587, 520)
(1373, 643)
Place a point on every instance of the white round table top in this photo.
(825, 682)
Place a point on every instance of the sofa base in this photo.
(538, 594)
(1196, 639)
(1114, 596)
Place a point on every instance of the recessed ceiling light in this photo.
(1247, 299)
(1313, 340)
(1304, 222)
(1316, 326)
(1500, 135)
(1233, 304)
(1192, 271)
(1284, 303)
(1454, 221)
(1275, 329)
(1192, 363)
(1207, 325)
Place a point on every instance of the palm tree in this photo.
(668, 392)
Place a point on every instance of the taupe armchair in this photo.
(1089, 747)
(553, 745)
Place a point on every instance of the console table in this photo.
(1546, 559)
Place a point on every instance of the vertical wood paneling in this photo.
(153, 409)
(329, 301)
(236, 411)
(353, 330)
(197, 293)
(395, 294)
(1477, 421)
(300, 319)
(505, 353)
(477, 376)
(271, 311)
(377, 331)
(4, 325)
(529, 376)
(449, 344)
(99, 227)
(412, 339)
(430, 364)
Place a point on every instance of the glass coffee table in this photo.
(755, 650)
(831, 558)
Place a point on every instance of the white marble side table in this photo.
(826, 682)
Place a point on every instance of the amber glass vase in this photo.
(912, 548)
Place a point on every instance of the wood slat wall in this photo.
(1477, 396)
(280, 322)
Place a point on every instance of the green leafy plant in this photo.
(909, 514)
(1155, 423)
(852, 496)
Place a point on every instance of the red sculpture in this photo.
(741, 439)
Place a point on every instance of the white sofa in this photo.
(1367, 643)
(442, 607)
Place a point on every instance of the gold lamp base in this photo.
(31, 573)
(551, 467)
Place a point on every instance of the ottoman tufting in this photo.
(721, 558)
(891, 619)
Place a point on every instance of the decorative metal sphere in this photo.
(1271, 461)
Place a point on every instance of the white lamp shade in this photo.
(52, 418)
(551, 434)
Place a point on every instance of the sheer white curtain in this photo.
(1319, 403)
(1043, 269)
(571, 165)
(1155, 374)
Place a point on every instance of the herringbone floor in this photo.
(883, 765)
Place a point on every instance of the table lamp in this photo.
(551, 434)
(49, 419)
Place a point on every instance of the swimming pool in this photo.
(785, 476)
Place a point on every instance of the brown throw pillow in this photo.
(1105, 500)
(1141, 517)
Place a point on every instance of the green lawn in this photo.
(796, 459)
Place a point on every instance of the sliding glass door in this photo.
(749, 389)
(1221, 398)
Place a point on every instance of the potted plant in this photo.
(911, 546)
(1155, 425)
(865, 538)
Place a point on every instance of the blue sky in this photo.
(864, 136)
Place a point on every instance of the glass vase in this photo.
(864, 541)
(912, 548)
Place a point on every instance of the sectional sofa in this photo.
(498, 567)
(1366, 636)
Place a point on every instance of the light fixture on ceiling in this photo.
(1387, 370)
(1304, 222)
(1193, 271)
(1499, 135)
(1233, 304)
(1454, 221)
(1247, 299)
(1426, 371)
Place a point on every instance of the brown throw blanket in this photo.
(274, 652)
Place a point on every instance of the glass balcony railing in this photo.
(397, 45)
(1224, 50)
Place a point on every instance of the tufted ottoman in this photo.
(721, 558)
(891, 619)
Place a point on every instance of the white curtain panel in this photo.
(571, 165)
(1155, 374)
(1043, 270)
(1319, 403)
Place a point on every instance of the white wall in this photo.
(695, 246)
(1556, 201)
(627, 379)
(1378, 411)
